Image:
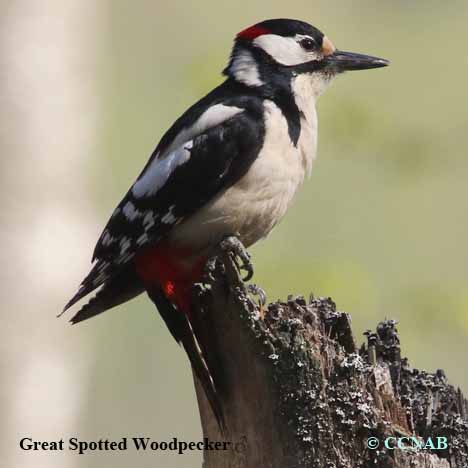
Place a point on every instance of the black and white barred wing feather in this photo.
(174, 185)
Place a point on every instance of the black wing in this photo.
(172, 188)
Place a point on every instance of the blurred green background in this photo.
(87, 89)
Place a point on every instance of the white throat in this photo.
(307, 88)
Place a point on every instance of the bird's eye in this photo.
(308, 44)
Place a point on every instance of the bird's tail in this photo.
(181, 329)
(125, 286)
(115, 291)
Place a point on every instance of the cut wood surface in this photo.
(297, 392)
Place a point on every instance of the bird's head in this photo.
(279, 50)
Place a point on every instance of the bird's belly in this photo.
(250, 208)
(256, 202)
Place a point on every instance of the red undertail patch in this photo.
(169, 268)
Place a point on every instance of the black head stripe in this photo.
(290, 27)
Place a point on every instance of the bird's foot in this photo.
(234, 246)
(210, 268)
(258, 292)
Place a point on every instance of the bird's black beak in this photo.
(340, 61)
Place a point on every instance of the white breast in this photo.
(258, 201)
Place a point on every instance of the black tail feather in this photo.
(182, 331)
(88, 285)
(125, 286)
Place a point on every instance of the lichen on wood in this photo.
(297, 392)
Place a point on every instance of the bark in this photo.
(297, 392)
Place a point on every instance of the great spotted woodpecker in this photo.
(229, 167)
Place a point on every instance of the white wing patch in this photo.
(212, 117)
(149, 220)
(107, 239)
(169, 217)
(178, 153)
(125, 244)
(143, 239)
(130, 211)
(158, 172)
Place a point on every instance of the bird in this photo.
(225, 173)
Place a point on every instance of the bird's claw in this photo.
(233, 245)
(259, 292)
(210, 269)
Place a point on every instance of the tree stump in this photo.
(297, 392)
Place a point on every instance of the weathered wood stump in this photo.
(297, 392)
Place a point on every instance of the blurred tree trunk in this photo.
(48, 115)
(297, 392)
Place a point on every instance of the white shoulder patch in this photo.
(212, 117)
(178, 153)
(159, 170)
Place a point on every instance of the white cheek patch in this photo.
(284, 50)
